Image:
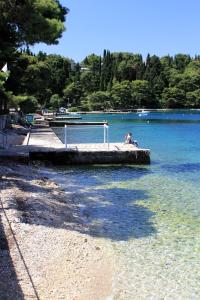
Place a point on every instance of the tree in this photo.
(89, 82)
(26, 22)
(193, 99)
(91, 72)
(98, 100)
(181, 61)
(28, 104)
(59, 72)
(73, 93)
(29, 22)
(41, 76)
(107, 71)
(124, 79)
(121, 95)
(173, 97)
(129, 67)
(55, 101)
(141, 94)
(3, 93)
(29, 76)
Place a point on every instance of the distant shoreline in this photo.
(129, 111)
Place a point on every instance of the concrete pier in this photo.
(43, 136)
(43, 144)
(93, 154)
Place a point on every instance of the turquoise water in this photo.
(149, 215)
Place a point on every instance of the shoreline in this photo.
(64, 262)
(125, 111)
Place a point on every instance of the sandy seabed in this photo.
(43, 253)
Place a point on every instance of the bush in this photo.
(73, 109)
(56, 101)
(29, 105)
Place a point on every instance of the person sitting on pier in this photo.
(129, 140)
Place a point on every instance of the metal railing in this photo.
(105, 130)
(3, 139)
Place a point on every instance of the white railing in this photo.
(106, 134)
(105, 130)
(65, 136)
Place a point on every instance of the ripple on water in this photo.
(164, 265)
(151, 221)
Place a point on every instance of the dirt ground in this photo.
(42, 254)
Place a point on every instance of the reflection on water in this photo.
(150, 216)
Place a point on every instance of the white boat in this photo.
(142, 112)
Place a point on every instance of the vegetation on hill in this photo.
(111, 81)
(114, 81)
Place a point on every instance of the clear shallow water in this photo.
(150, 215)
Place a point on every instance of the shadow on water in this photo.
(113, 213)
(93, 203)
(9, 284)
(180, 168)
(92, 175)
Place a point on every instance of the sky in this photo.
(157, 27)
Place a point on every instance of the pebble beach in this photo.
(43, 257)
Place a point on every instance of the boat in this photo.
(142, 112)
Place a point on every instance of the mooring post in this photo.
(65, 129)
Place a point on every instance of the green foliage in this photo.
(193, 99)
(30, 22)
(89, 82)
(121, 95)
(73, 93)
(59, 69)
(55, 101)
(174, 97)
(98, 101)
(73, 109)
(2, 80)
(181, 61)
(28, 104)
(24, 23)
(40, 76)
(4, 95)
(141, 93)
(114, 81)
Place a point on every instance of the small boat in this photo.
(142, 112)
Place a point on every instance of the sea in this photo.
(148, 215)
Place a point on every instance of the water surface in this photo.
(150, 215)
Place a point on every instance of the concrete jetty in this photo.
(43, 144)
(42, 137)
(93, 154)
